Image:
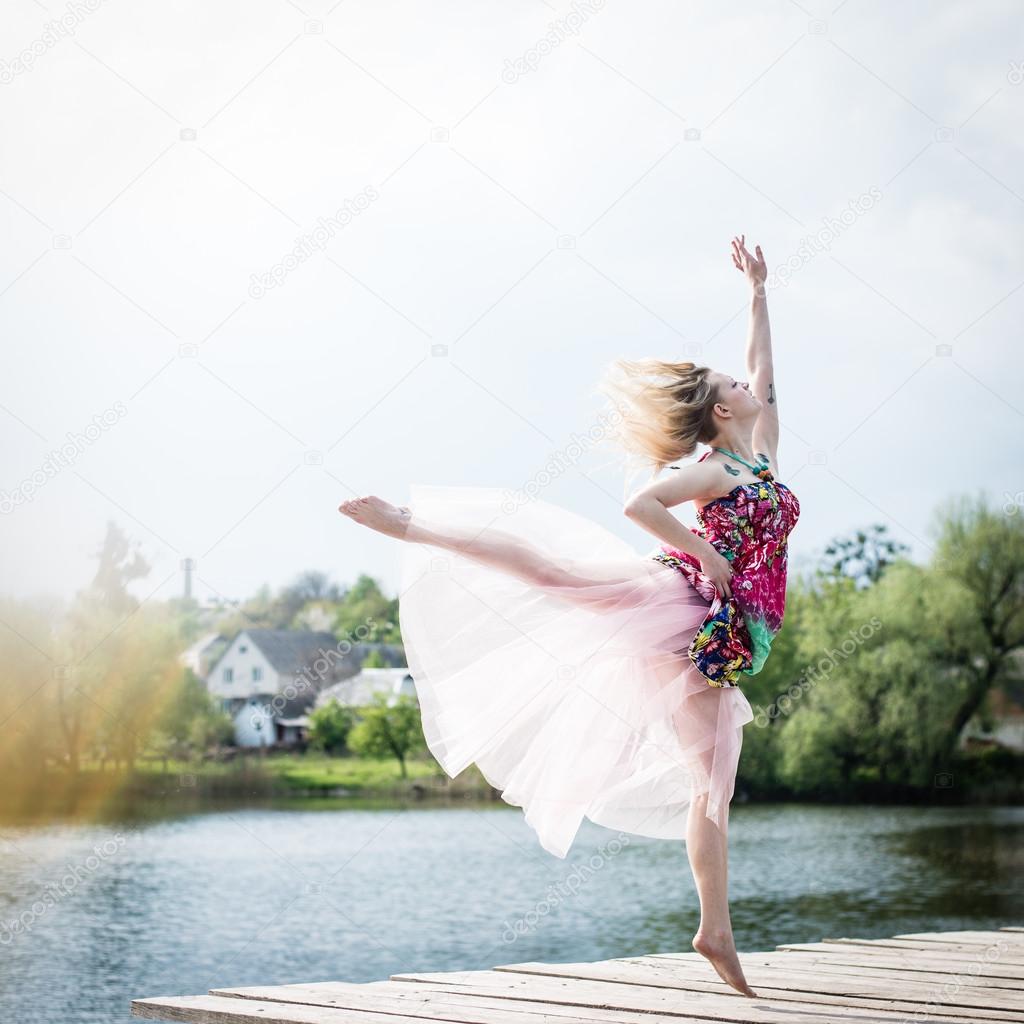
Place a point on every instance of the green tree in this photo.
(330, 725)
(979, 562)
(192, 720)
(365, 613)
(388, 730)
(903, 665)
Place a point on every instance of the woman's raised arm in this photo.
(761, 373)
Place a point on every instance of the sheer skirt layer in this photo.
(552, 655)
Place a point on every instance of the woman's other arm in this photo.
(649, 507)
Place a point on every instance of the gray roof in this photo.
(291, 650)
(310, 661)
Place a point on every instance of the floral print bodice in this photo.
(750, 526)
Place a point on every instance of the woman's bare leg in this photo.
(496, 548)
(707, 848)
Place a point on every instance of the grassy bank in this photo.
(97, 791)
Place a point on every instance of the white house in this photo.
(362, 688)
(268, 679)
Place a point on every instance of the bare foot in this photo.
(721, 951)
(377, 514)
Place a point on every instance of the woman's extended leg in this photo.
(496, 548)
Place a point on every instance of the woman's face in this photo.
(736, 396)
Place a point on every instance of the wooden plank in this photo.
(878, 967)
(835, 985)
(456, 1003)
(341, 994)
(638, 998)
(895, 984)
(218, 1010)
(910, 960)
(1003, 952)
(971, 937)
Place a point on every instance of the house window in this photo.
(242, 649)
(229, 675)
(257, 674)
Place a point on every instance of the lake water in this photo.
(315, 893)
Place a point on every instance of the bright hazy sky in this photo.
(508, 232)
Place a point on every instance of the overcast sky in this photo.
(489, 201)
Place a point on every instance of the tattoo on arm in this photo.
(731, 471)
(771, 392)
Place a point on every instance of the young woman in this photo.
(586, 679)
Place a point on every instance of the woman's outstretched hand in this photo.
(754, 267)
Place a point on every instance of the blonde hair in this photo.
(663, 410)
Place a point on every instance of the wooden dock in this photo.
(968, 977)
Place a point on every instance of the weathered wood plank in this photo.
(910, 960)
(218, 1010)
(454, 1003)
(1002, 952)
(783, 994)
(637, 998)
(864, 983)
(873, 967)
(836, 986)
(971, 937)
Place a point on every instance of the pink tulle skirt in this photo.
(558, 666)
